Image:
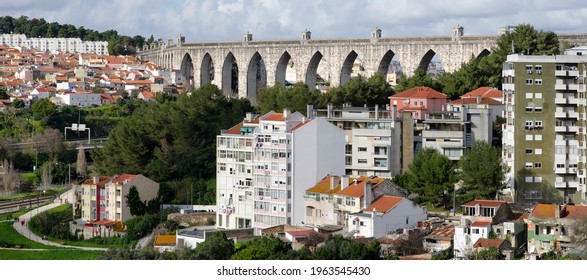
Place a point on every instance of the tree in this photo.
(3, 94)
(134, 203)
(431, 175)
(43, 109)
(46, 175)
(359, 92)
(11, 179)
(490, 253)
(81, 164)
(419, 79)
(296, 98)
(18, 104)
(482, 171)
(216, 247)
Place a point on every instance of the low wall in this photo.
(194, 219)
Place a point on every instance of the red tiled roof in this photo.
(481, 223)
(483, 92)
(148, 95)
(487, 243)
(324, 186)
(384, 204)
(420, 92)
(358, 189)
(275, 117)
(123, 177)
(574, 212)
(101, 181)
(485, 203)
(300, 125)
(543, 211)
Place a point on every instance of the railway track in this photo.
(15, 205)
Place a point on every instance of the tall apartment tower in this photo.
(261, 182)
(544, 134)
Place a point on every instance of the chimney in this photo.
(373, 213)
(333, 182)
(96, 180)
(344, 182)
(310, 111)
(478, 99)
(367, 193)
(557, 211)
(249, 117)
(394, 112)
(286, 113)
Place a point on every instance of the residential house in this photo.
(82, 100)
(554, 227)
(164, 243)
(439, 239)
(476, 222)
(502, 246)
(146, 96)
(418, 101)
(386, 214)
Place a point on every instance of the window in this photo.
(529, 137)
(529, 95)
(538, 123)
(362, 149)
(529, 179)
(538, 165)
(533, 194)
(538, 95)
(362, 161)
(529, 109)
(380, 162)
(528, 151)
(529, 81)
(538, 151)
(475, 231)
(538, 137)
(529, 165)
(538, 81)
(538, 179)
(538, 109)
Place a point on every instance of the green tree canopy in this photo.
(296, 98)
(134, 203)
(482, 172)
(432, 176)
(359, 91)
(43, 109)
(216, 247)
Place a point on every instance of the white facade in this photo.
(70, 45)
(467, 234)
(264, 167)
(372, 138)
(372, 222)
(79, 99)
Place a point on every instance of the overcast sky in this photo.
(227, 20)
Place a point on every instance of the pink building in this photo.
(418, 100)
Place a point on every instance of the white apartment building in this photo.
(78, 99)
(289, 154)
(70, 45)
(373, 144)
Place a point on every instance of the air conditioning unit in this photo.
(538, 71)
(529, 71)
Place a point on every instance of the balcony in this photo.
(560, 73)
(573, 115)
(573, 73)
(560, 100)
(573, 87)
(560, 185)
(560, 86)
(560, 115)
(443, 134)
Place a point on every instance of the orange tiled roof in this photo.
(101, 181)
(543, 211)
(237, 128)
(300, 125)
(485, 203)
(275, 117)
(164, 240)
(358, 189)
(575, 212)
(420, 92)
(148, 95)
(123, 177)
(487, 243)
(445, 232)
(483, 92)
(301, 233)
(384, 204)
(481, 223)
(324, 186)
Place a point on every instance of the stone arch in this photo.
(385, 62)
(425, 61)
(187, 70)
(281, 70)
(312, 70)
(256, 76)
(347, 67)
(483, 53)
(207, 70)
(230, 76)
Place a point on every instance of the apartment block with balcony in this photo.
(451, 132)
(289, 152)
(103, 198)
(544, 133)
(373, 145)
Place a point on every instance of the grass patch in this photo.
(10, 237)
(49, 255)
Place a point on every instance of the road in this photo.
(26, 232)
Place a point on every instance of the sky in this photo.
(228, 20)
